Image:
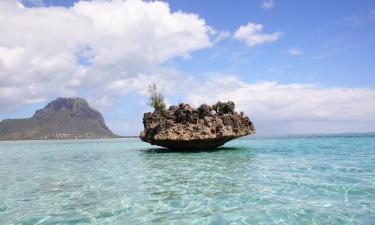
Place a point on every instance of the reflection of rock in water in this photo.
(200, 185)
(184, 127)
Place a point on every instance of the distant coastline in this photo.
(72, 139)
(311, 135)
(255, 136)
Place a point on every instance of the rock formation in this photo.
(63, 118)
(184, 127)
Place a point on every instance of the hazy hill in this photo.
(63, 118)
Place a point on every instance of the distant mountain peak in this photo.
(62, 118)
(69, 103)
(77, 107)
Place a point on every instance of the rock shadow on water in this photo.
(188, 151)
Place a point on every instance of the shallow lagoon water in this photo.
(259, 180)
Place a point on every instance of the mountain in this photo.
(63, 118)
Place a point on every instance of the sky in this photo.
(291, 66)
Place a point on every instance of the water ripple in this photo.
(274, 180)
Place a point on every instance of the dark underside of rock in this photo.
(186, 128)
(63, 118)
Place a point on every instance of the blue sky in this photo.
(326, 49)
(337, 39)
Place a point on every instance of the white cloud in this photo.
(51, 51)
(252, 35)
(267, 4)
(222, 36)
(295, 51)
(169, 81)
(103, 49)
(272, 103)
(102, 103)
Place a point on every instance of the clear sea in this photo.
(309, 179)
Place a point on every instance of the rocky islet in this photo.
(185, 127)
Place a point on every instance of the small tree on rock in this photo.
(156, 99)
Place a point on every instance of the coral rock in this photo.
(185, 127)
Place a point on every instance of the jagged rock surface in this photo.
(184, 127)
(63, 118)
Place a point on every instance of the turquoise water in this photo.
(260, 180)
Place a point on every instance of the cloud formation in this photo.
(295, 51)
(272, 102)
(86, 49)
(267, 4)
(101, 50)
(252, 35)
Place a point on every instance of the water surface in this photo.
(260, 180)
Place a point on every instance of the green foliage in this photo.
(215, 106)
(156, 99)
